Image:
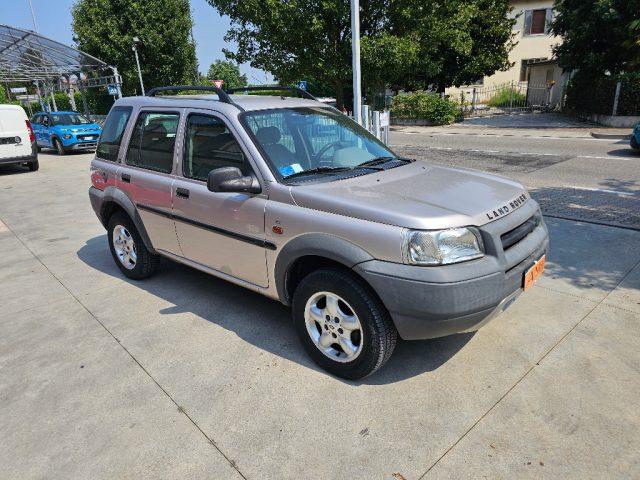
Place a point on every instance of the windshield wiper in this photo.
(312, 171)
(374, 162)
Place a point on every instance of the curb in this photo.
(611, 136)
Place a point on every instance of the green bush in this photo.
(424, 106)
(506, 97)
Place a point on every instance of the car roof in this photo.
(246, 102)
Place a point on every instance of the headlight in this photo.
(442, 247)
(66, 136)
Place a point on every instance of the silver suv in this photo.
(292, 199)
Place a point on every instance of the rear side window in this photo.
(209, 145)
(112, 133)
(152, 141)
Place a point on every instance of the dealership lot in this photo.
(186, 376)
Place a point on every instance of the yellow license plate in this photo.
(533, 273)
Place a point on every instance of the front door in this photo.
(147, 174)
(224, 231)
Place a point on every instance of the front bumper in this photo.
(81, 146)
(430, 302)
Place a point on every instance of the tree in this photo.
(405, 43)
(227, 71)
(105, 29)
(599, 36)
(438, 44)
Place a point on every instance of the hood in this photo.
(89, 127)
(419, 195)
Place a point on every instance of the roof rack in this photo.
(222, 95)
(303, 93)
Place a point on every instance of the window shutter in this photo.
(527, 22)
(547, 26)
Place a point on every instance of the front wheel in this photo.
(128, 250)
(634, 143)
(58, 146)
(342, 325)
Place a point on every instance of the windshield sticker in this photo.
(290, 169)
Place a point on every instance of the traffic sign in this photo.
(18, 89)
(218, 83)
(112, 89)
(302, 85)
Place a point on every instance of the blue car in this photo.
(65, 131)
(635, 138)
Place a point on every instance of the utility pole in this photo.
(33, 17)
(135, 51)
(355, 54)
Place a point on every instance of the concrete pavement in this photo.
(187, 376)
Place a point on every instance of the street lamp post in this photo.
(136, 40)
(355, 54)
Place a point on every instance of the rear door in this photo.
(147, 174)
(14, 136)
(224, 231)
(45, 130)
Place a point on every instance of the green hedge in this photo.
(424, 106)
(595, 94)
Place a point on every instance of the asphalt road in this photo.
(578, 178)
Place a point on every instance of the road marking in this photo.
(3, 227)
(604, 190)
(570, 155)
(513, 135)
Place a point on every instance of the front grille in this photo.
(510, 238)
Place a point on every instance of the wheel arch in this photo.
(115, 200)
(309, 252)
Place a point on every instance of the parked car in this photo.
(17, 140)
(635, 138)
(65, 131)
(364, 245)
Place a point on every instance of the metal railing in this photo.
(511, 97)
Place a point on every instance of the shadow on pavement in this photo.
(251, 315)
(531, 120)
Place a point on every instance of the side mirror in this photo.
(230, 179)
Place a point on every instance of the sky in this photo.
(53, 18)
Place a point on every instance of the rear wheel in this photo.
(341, 323)
(128, 250)
(58, 146)
(33, 166)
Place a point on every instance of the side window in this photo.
(112, 133)
(152, 141)
(36, 119)
(209, 145)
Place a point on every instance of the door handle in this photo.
(126, 178)
(182, 192)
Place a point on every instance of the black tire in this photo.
(634, 143)
(57, 144)
(379, 335)
(146, 262)
(38, 148)
(33, 166)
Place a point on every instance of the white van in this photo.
(17, 141)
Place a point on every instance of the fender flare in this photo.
(317, 244)
(114, 195)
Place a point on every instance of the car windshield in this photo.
(316, 140)
(69, 119)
